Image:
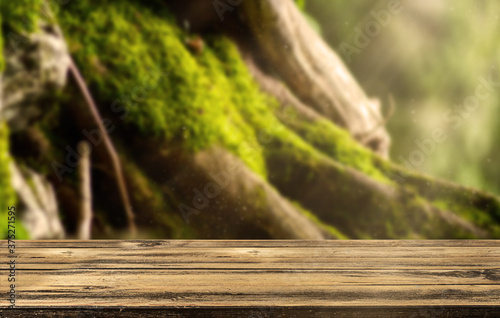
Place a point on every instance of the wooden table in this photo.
(200, 278)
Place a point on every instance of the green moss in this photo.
(128, 50)
(339, 145)
(243, 140)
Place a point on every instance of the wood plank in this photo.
(211, 278)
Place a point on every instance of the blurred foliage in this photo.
(21, 15)
(429, 57)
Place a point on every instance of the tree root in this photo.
(319, 78)
(115, 160)
(85, 220)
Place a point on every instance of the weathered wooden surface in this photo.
(254, 278)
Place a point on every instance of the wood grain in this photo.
(161, 278)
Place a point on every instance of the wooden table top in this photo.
(248, 278)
